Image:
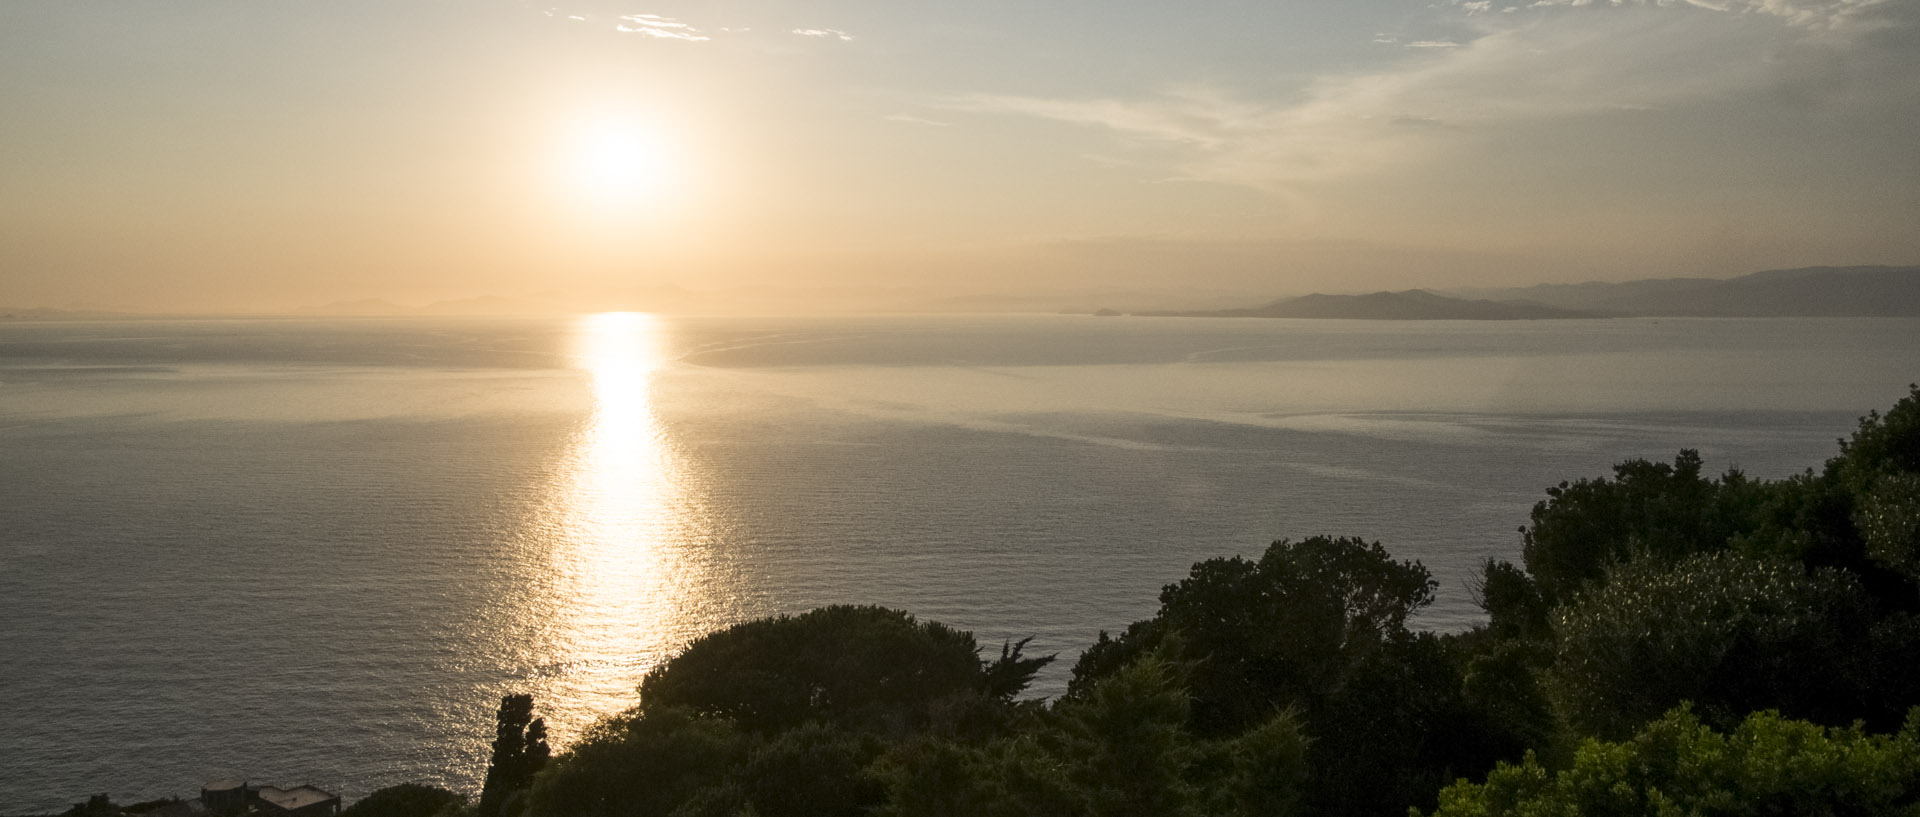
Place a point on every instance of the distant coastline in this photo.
(1826, 292)
(1410, 305)
(1837, 292)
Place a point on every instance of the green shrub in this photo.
(404, 800)
(1767, 765)
(1731, 633)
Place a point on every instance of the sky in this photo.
(272, 154)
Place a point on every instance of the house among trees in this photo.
(230, 798)
(237, 797)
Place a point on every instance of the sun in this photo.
(621, 164)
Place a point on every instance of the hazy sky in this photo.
(273, 153)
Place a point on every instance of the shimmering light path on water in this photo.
(619, 566)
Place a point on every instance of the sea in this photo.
(319, 551)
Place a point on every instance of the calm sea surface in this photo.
(319, 551)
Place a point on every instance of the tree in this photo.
(1126, 746)
(1264, 634)
(1731, 633)
(1860, 513)
(1767, 765)
(1888, 517)
(1501, 686)
(1318, 627)
(862, 668)
(1883, 444)
(783, 716)
(1007, 676)
(519, 751)
(404, 800)
(96, 806)
(815, 770)
(1648, 509)
(1879, 469)
(1515, 607)
(1121, 749)
(939, 777)
(643, 763)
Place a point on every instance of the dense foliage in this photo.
(856, 667)
(1767, 765)
(788, 715)
(1121, 748)
(1319, 627)
(1671, 643)
(1730, 633)
(406, 800)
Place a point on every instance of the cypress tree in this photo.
(519, 750)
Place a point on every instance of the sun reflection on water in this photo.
(620, 569)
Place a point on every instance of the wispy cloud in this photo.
(1815, 14)
(661, 27)
(1194, 116)
(658, 27)
(915, 120)
(1386, 39)
(1550, 65)
(824, 33)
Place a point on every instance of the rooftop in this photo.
(294, 798)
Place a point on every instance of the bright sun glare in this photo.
(620, 164)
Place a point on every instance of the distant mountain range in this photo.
(1805, 292)
(1410, 305)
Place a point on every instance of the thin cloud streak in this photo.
(662, 28)
(824, 33)
(1831, 15)
(1551, 64)
(915, 120)
(1385, 39)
